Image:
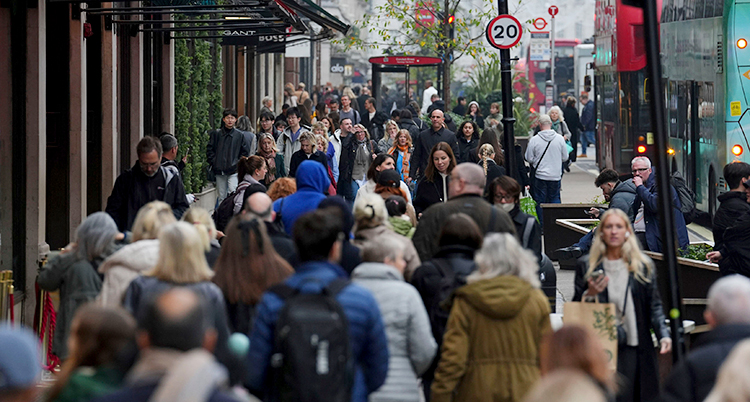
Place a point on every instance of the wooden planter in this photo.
(557, 235)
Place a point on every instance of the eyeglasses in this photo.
(504, 197)
(634, 171)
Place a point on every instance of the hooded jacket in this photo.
(122, 267)
(409, 125)
(366, 332)
(131, 192)
(623, 196)
(733, 205)
(312, 182)
(490, 349)
(549, 167)
(411, 346)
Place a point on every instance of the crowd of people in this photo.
(354, 257)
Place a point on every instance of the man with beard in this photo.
(146, 181)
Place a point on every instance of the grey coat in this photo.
(410, 342)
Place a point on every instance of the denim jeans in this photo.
(585, 243)
(545, 192)
(225, 184)
(587, 137)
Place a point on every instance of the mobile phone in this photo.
(587, 212)
(597, 274)
(187, 152)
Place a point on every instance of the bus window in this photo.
(689, 9)
(679, 10)
(708, 10)
(672, 109)
(719, 8)
(706, 113)
(699, 5)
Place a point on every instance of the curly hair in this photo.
(282, 187)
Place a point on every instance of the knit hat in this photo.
(20, 363)
(389, 178)
(472, 103)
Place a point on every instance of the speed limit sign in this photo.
(504, 31)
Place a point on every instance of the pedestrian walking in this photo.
(627, 278)
(312, 184)
(427, 139)
(19, 363)
(225, 147)
(411, 347)
(204, 224)
(100, 339)
(468, 140)
(570, 116)
(275, 167)
(402, 151)
(474, 114)
(496, 357)
(380, 164)
(505, 193)
(546, 153)
(73, 273)
(432, 188)
(487, 160)
(588, 121)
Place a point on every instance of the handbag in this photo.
(569, 145)
(600, 320)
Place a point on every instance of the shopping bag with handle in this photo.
(600, 319)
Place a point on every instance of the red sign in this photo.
(405, 60)
(504, 31)
(424, 15)
(552, 10)
(540, 23)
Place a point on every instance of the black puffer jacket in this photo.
(733, 205)
(693, 379)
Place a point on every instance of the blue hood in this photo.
(312, 176)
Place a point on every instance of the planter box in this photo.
(557, 236)
(207, 198)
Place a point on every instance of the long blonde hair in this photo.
(486, 151)
(150, 218)
(182, 258)
(638, 263)
(202, 221)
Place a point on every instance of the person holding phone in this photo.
(617, 271)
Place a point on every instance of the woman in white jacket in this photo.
(120, 268)
(411, 346)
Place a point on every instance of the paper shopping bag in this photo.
(600, 319)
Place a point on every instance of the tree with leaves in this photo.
(422, 27)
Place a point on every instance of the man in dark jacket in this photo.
(619, 194)
(428, 139)
(172, 364)
(728, 315)
(406, 122)
(320, 256)
(647, 219)
(465, 191)
(733, 206)
(373, 120)
(588, 121)
(260, 205)
(225, 147)
(146, 181)
(169, 148)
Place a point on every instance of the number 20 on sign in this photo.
(504, 32)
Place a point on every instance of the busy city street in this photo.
(374, 201)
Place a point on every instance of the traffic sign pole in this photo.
(508, 120)
(552, 55)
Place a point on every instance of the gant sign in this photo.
(239, 33)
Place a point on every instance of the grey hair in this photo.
(545, 120)
(244, 124)
(369, 211)
(729, 300)
(559, 113)
(95, 236)
(265, 100)
(501, 254)
(168, 141)
(645, 159)
(382, 247)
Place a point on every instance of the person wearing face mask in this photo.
(146, 181)
(505, 192)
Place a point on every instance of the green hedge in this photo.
(198, 102)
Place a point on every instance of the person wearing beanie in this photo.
(19, 365)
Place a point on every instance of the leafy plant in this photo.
(198, 101)
(697, 251)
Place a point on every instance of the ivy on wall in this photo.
(198, 101)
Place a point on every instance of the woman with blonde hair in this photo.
(308, 151)
(389, 139)
(247, 267)
(490, 349)
(401, 152)
(201, 219)
(126, 264)
(487, 160)
(371, 221)
(274, 160)
(618, 272)
(333, 164)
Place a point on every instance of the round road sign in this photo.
(552, 10)
(504, 31)
(540, 23)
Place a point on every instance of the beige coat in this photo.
(123, 266)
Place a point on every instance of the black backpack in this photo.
(224, 213)
(312, 359)
(449, 282)
(687, 197)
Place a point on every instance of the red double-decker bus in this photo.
(621, 99)
(538, 72)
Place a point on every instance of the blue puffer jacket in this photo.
(646, 194)
(366, 330)
(312, 182)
